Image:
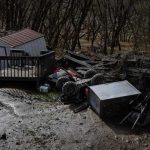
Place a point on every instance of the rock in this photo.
(63, 142)
(17, 143)
(81, 123)
(55, 138)
(84, 117)
(123, 148)
(122, 138)
(57, 119)
(88, 145)
(77, 141)
(127, 141)
(29, 102)
(137, 140)
(145, 136)
(4, 136)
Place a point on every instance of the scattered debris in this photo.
(44, 88)
(131, 66)
(138, 114)
(76, 72)
(61, 76)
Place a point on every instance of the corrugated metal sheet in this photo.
(20, 37)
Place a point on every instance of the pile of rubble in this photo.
(137, 70)
(76, 73)
(131, 66)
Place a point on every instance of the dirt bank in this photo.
(48, 125)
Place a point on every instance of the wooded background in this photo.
(66, 22)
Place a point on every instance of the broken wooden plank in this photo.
(80, 62)
(78, 56)
(82, 68)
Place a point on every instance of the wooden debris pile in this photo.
(132, 66)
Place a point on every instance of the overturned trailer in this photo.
(112, 99)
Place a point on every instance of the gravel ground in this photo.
(28, 122)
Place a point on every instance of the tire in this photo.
(61, 81)
(97, 79)
(89, 74)
(70, 89)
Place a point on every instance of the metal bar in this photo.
(11, 60)
(31, 57)
(18, 67)
(38, 68)
(4, 67)
(26, 65)
(0, 68)
(7, 68)
(22, 61)
(126, 117)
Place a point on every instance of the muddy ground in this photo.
(33, 123)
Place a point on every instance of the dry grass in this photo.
(86, 45)
(86, 48)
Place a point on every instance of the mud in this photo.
(35, 123)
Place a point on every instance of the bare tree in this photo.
(65, 22)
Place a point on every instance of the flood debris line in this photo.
(30, 96)
(76, 73)
(16, 93)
